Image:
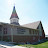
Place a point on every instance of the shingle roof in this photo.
(33, 25)
(14, 14)
(46, 35)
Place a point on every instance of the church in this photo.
(14, 32)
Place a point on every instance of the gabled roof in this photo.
(46, 35)
(33, 25)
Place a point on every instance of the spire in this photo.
(14, 11)
(14, 19)
(14, 14)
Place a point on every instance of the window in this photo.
(34, 32)
(5, 30)
(21, 30)
(0, 28)
(30, 31)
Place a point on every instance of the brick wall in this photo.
(25, 39)
(7, 38)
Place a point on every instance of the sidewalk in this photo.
(7, 45)
(12, 46)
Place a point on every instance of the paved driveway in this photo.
(4, 44)
(1, 47)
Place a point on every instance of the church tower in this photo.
(14, 19)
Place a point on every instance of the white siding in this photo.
(40, 33)
(14, 20)
(15, 32)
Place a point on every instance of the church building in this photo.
(14, 32)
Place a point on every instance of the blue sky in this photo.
(28, 11)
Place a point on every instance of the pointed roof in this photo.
(14, 11)
(33, 25)
(14, 14)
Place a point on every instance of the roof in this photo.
(13, 25)
(14, 14)
(46, 35)
(33, 25)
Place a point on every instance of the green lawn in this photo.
(42, 45)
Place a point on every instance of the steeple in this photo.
(14, 17)
(14, 14)
(14, 11)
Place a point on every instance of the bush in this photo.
(7, 40)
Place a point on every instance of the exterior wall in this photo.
(19, 34)
(43, 35)
(1, 32)
(0, 37)
(5, 28)
(14, 20)
(25, 39)
(7, 38)
(20, 31)
(8, 30)
(24, 31)
(41, 32)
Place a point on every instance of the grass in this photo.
(42, 45)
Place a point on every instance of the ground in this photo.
(4, 44)
(42, 45)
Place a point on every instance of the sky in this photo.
(28, 11)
